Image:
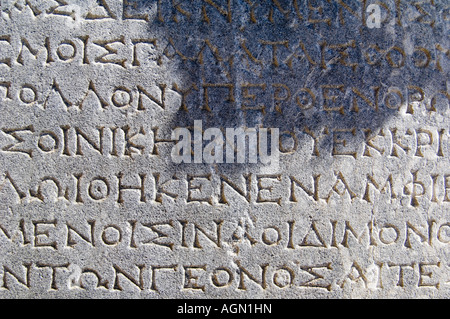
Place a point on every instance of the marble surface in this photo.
(92, 204)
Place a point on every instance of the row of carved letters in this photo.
(179, 235)
(138, 52)
(255, 189)
(274, 11)
(263, 98)
(293, 275)
(128, 142)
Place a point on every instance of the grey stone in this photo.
(93, 206)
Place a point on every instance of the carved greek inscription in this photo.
(417, 190)
(92, 202)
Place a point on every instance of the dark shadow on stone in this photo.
(280, 70)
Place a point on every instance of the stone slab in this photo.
(92, 204)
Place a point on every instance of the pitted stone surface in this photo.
(92, 204)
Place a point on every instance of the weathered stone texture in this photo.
(92, 205)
